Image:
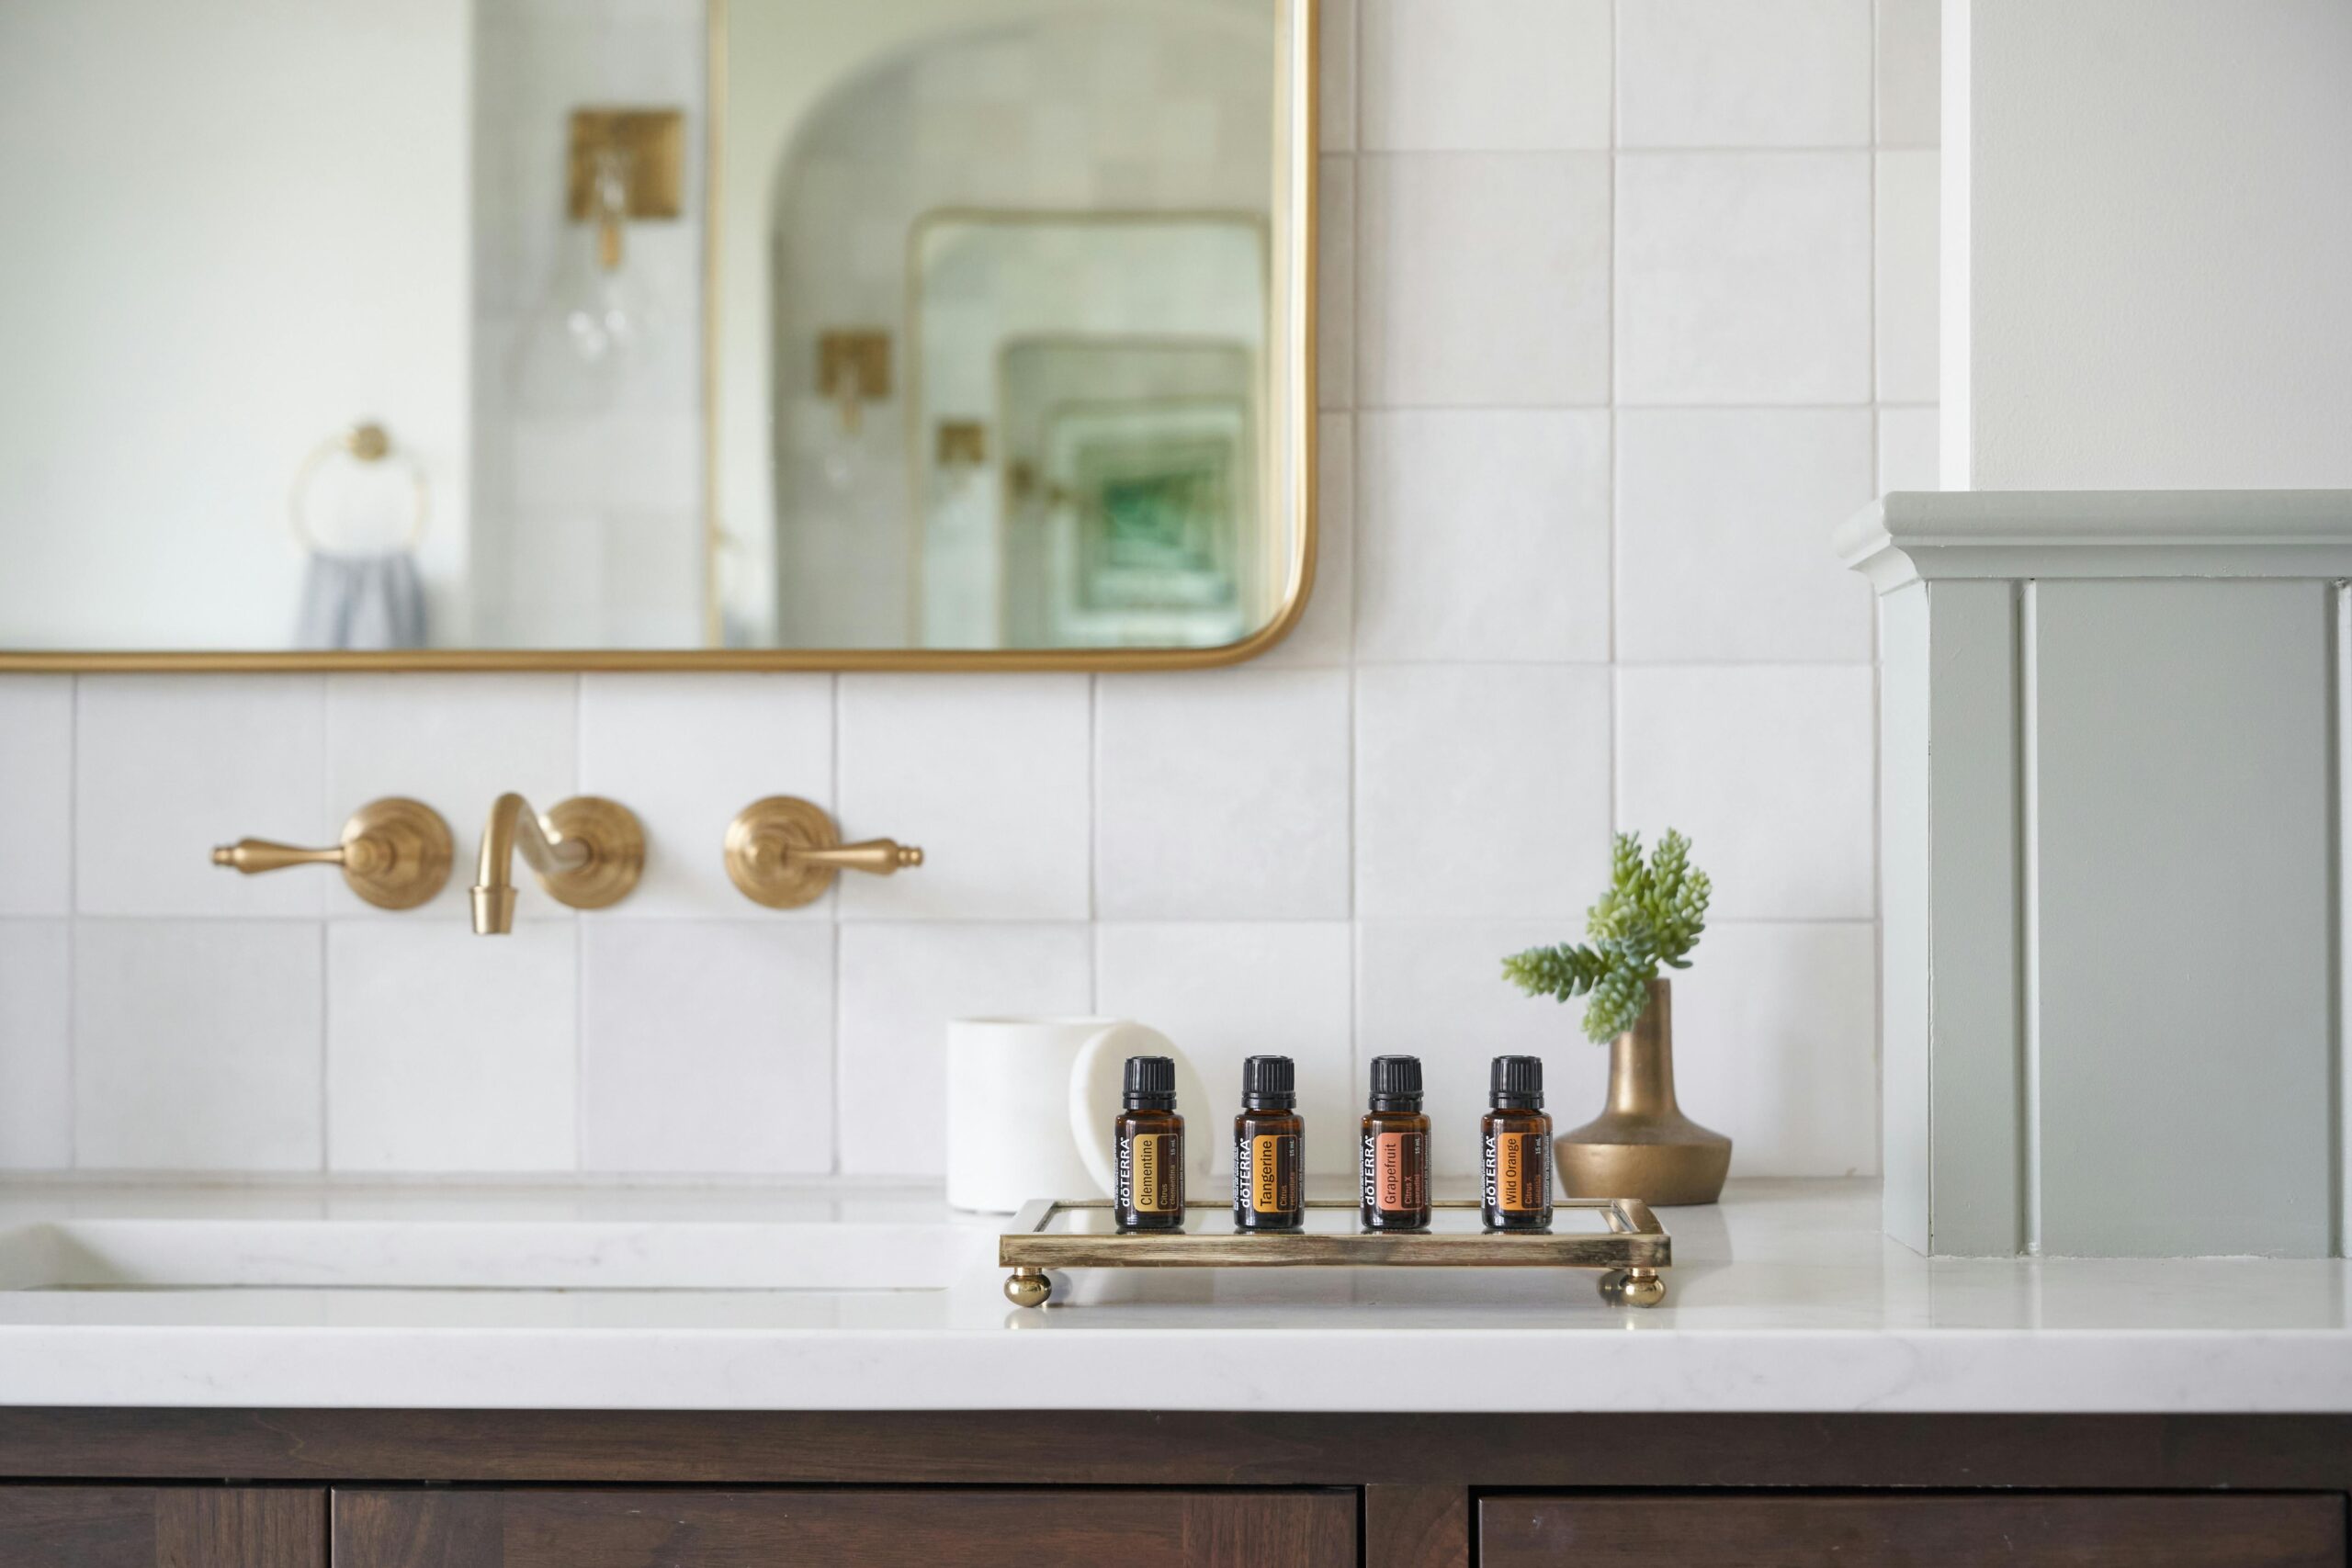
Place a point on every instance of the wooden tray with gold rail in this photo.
(1618, 1236)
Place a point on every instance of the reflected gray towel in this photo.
(361, 603)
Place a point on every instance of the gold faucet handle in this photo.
(876, 857)
(254, 856)
(783, 853)
(394, 854)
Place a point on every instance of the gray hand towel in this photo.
(361, 603)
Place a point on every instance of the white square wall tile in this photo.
(36, 1046)
(1776, 1045)
(1723, 521)
(988, 775)
(900, 986)
(1744, 277)
(1481, 279)
(1325, 634)
(1744, 73)
(1436, 991)
(688, 752)
(1485, 535)
(1910, 73)
(1222, 795)
(1225, 992)
(706, 1047)
(1908, 277)
(196, 1044)
(1908, 450)
(36, 794)
(456, 743)
(1482, 791)
(240, 756)
(1768, 770)
(449, 1052)
(1335, 284)
(1485, 75)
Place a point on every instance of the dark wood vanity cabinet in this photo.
(162, 1527)
(2013, 1530)
(1041, 1489)
(881, 1528)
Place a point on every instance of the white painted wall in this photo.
(253, 231)
(2148, 243)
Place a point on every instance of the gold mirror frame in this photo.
(1301, 49)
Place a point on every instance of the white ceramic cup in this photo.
(1030, 1102)
(1009, 1134)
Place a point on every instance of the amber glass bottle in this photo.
(1151, 1141)
(1396, 1148)
(1269, 1140)
(1517, 1137)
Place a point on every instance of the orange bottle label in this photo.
(1265, 1174)
(1400, 1170)
(1151, 1174)
(1518, 1173)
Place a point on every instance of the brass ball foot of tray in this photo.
(1633, 1287)
(1028, 1288)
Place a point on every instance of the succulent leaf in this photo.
(1652, 915)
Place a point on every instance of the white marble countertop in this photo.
(1784, 1298)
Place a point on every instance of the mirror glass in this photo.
(515, 328)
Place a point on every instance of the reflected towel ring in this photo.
(367, 442)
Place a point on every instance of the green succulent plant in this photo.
(1651, 916)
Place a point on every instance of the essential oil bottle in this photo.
(1269, 1139)
(1396, 1148)
(1517, 1137)
(1149, 1135)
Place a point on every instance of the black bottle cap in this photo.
(1517, 1081)
(1269, 1083)
(1396, 1083)
(1151, 1083)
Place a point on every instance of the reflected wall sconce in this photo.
(963, 444)
(626, 165)
(854, 369)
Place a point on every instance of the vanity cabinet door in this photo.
(162, 1527)
(866, 1529)
(2009, 1530)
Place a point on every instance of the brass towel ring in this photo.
(369, 442)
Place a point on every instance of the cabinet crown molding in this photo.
(1925, 536)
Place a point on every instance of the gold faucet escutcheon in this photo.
(587, 853)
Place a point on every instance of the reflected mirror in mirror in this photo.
(648, 331)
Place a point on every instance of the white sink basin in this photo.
(436, 1242)
(115, 1254)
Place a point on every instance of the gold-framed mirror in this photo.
(756, 335)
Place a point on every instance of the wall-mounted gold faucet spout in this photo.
(588, 852)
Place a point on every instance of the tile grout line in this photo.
(1615, 719)
(579, 950)
(73, 922)
(1878, 728)
(833, 913)
(1355, 537)
(326, 817)
(1093, 841)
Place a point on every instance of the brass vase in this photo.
(1642, 1145)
